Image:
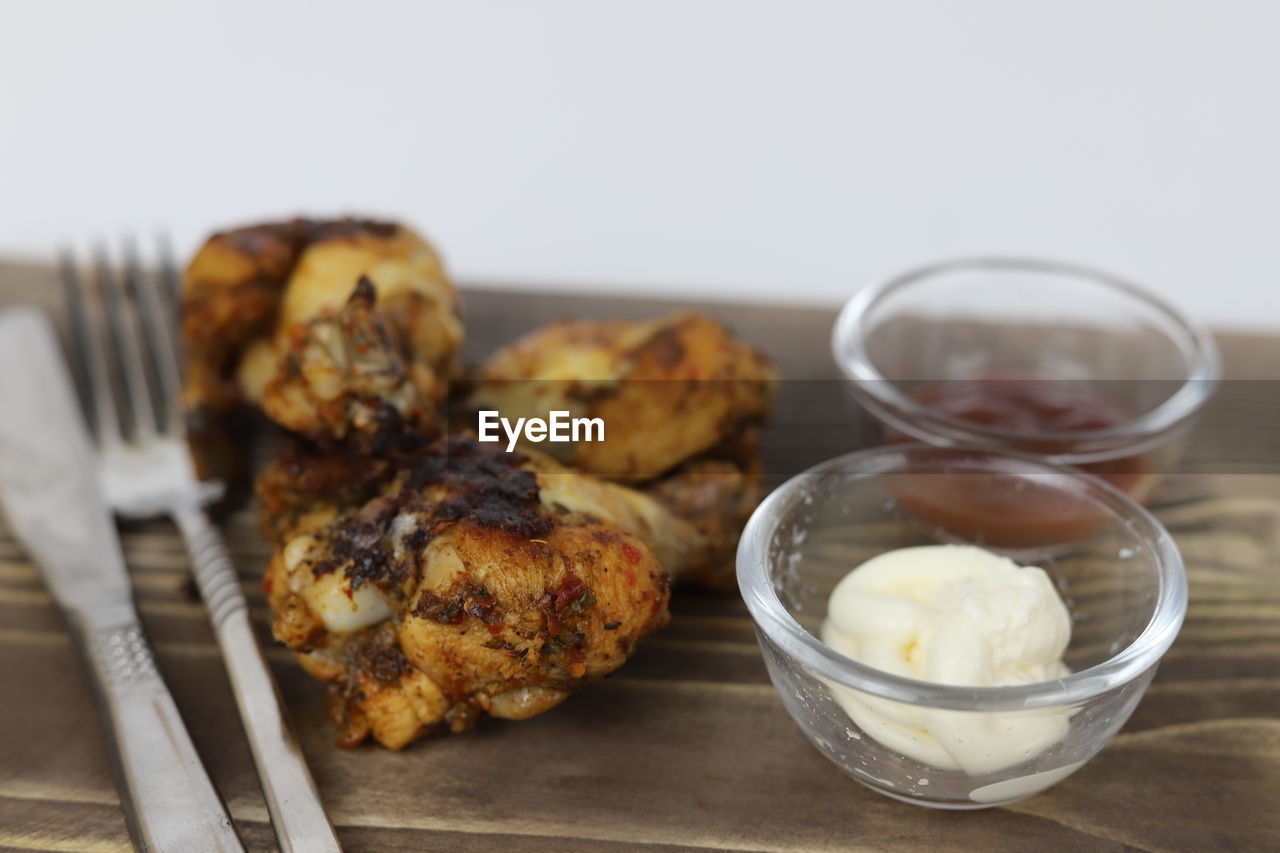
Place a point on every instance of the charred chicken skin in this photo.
(306, 488)
(462, 588)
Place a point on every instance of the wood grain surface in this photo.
(688, 747)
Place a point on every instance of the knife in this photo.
(50, 494)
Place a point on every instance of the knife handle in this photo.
(169, 801)
(292, 799)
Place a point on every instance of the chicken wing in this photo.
(667, 390)
(462, 588)
(250, 293)
(681, 400)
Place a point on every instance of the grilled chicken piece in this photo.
(341, 375)
(681, 400)
(463, 587)
(667, 390)
(249, 293)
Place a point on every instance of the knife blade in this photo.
(48, 481)
(50, 495)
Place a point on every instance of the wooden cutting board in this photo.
(688, 747)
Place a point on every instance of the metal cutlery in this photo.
(52, 498)
(146, 471)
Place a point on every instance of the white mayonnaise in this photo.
(952, 614)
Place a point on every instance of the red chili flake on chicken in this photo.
(631, 552)
(568, 591)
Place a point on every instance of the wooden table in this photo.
(688, 747)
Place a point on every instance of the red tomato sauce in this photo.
(1004, 509)
(1025, 405)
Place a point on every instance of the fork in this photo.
(146, 471)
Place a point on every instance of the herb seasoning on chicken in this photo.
(457, 592)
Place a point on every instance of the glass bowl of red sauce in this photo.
(1069, 364)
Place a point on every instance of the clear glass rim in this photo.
(848, 343)
(783, 630)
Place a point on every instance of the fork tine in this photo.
(76, 324)
(124, 334)
(89, 345)
(169, 273)
(158, 340)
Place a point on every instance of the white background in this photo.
(773, 151)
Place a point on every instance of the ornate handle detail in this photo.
(122, 656)
(292, 799)
(211, 564)
(169, 801)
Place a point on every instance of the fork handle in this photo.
(296, 811)
(169, 802)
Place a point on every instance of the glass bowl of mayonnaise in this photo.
(935, 666)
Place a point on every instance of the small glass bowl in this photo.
(1120, 575)
(1082, 331)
